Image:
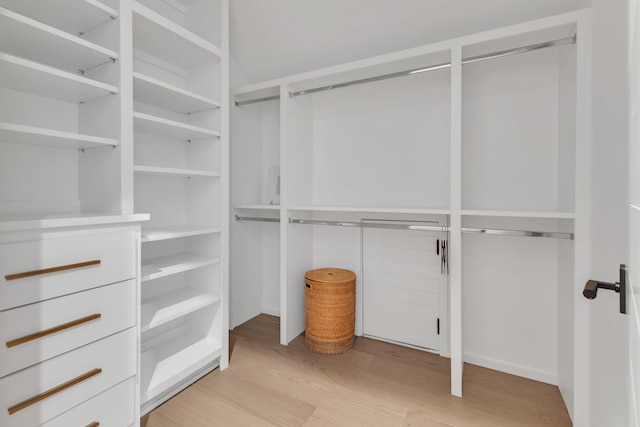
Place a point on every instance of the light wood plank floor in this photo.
(373, 384)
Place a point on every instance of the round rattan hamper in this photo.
(330, 310)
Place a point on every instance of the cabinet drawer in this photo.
(37, 332)
(39, 270)
(112, 408)
(37, 394)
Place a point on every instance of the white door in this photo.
(404, 287)
(633, 285)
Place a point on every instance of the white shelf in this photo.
(171, 358)
(21, 134)
(520, 214)
(72, 16)
(153, 125)
(259, 207)
(153, 234)
(173, 305)
(186, 173)
(161, 94)
(166, 40)
(28, 38)
(417, 211)
(28, 76)
(155, 268)
(71, 219)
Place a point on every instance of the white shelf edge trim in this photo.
(177, 125)
(55, 134)
(179, 91)
(45, 69)
(170, 306)
(154, 234)
(156, 268)
(154, 170)
(36, 25)
(176, 29)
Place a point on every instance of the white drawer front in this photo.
(114, 356)
(112, 408)
(72, 319)
(114, 251)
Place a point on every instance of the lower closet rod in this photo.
(256, 218)
(370, 225)
(492, 231)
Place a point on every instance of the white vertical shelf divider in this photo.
(582, 256)
(284, 197)
(224, 170)
(455, 235)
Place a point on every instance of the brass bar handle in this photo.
(51, 270)
(37, 335)
(35, 399)
(94, 424)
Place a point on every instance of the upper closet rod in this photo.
(498, 232)
(500, 54)
(256, 218)
(253, 101)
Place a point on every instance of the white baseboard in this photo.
(271, 311)
(509, 368)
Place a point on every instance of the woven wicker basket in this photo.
(330, 310)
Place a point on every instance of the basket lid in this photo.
(330, 275)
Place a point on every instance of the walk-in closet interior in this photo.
(449, 177)
(156, 192)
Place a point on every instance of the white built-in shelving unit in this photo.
(180, 113)
(66, 203)
(110, 107)
(459, 134)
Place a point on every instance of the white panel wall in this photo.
(403, 121)
(510, 297)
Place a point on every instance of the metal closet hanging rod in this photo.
(491, 231)
(256, 218)
(256, 100)
(471, 60)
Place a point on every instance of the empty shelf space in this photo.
(21, 134)
(28, 38)
(166, 40)
(171, 358)
(153, 234)
(72, 16)
(161, 94)
(172, 305)
(155, 268)
(158, 126)
(18, 222)
(28, 76)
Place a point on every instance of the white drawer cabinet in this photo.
(39, 270)
(35, 395)
(37, 332)
(99, 411)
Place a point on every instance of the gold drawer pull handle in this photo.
(94, 424)
(51, 270)
(55, 390)
(53, 330)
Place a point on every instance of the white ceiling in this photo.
(275, 38)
